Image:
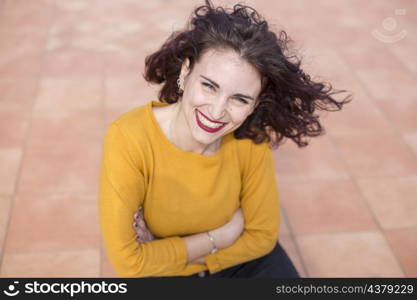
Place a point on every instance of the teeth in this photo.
(208, 123)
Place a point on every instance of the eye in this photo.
(242, 100)
(209, 86)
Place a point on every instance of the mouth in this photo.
(206, 124)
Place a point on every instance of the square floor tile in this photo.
(127, 92)
(5, 208)
(392, 200)
(13, 127)
(411, 140)
(377, 155)
(106, 269)
(72, 63)
(78, 263)
(356, 254)
(319, 160)
(53, 222)
(291, 249)
(388, 83)
(10, 160)
(360, 116)
(78, 127)
(66, 167)
(401, 112)
(326, 206)
(404, 245)
(283, 227)
(17, 94)
(74, 94)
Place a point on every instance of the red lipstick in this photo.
(206, 128)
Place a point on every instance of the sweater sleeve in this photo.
(260, 206)
(121, 192)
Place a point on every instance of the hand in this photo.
(236, 224)
(142, 232)
(227, 234)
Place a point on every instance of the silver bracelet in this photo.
(214, 250)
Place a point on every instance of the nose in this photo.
(218, 110)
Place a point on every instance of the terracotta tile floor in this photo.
(68, 68)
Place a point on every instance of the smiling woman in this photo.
(194, 172)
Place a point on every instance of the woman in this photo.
(195, 172)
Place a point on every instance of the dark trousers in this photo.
(275, 264)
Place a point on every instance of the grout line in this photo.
(18, 176)
(294, 240)
(56, 194)
(42, 251)
(307, 180)
(401, 228)
(103, 123)
(350, 232)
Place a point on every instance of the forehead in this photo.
(229, 70)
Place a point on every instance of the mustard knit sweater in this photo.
(182, 193)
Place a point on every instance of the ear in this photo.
(185, 68)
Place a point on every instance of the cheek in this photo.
(238, 117)
(195, 98)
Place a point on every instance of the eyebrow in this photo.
(218, 86)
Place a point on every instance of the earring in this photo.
(179, 85)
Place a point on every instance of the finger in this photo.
(139, 217)
(137, 230)
(139, 239)
(138, 224)
(143, 238)
(141, 232)
(142, 223)
(137, 233)
(139, 221)
(148, 236)
(140, 214)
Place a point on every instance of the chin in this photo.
(204, 139)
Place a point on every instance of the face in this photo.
(220, 92)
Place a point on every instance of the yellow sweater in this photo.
(182, 193)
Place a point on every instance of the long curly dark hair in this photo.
(288, 98)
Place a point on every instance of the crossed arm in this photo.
(198, 245)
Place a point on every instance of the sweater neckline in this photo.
(173, 147)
